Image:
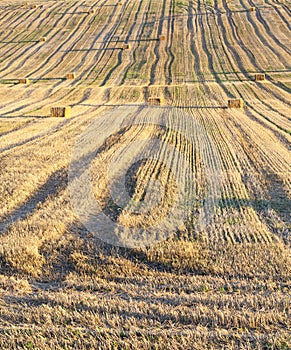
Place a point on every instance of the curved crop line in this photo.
(129, 33)
(106, 42)
(261, 37)
(193, 46)
(171, 57)
(156, 49)
(28, 56)
(133, 54)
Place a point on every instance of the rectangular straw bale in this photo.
(23, 81)
(60, 112)
(125, 46)
(154, 101)
(235, 103)
(260, 77)
(71, 76)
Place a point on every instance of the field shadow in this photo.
(94, 49)
(15, 81)
(19, 42)
(150, 106)
(134, 40)
(22, 117)
(72, 13)
(46, 79)
(54, 185)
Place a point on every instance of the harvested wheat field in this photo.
(145, 174)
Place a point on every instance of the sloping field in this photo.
(190, 248)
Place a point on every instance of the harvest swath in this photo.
(226, 286)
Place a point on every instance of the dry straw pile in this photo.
(154, 101)
(71, 76)
(60, 112)
(23, 81)
(260, 77)
(126, 46)
(235, 103)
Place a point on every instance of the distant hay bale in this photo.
(162, 37)
(125, 46)
(251, 9)
(23, 81)
(235, 103)
(42, 39)
(61, 112)
(71, 76)
(33, 6)
(119, 3)
(92, 11)
(260, 77)
(154, 101)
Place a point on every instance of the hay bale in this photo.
(252, 9)
(260, 77)
(23, 81)
(61, 112)
(162, 37)
(154, 101)
(120, 3)
(42, 39)
(33, 6)
(125, 46)
(235, 103)
(92, 11)
(71, 76)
